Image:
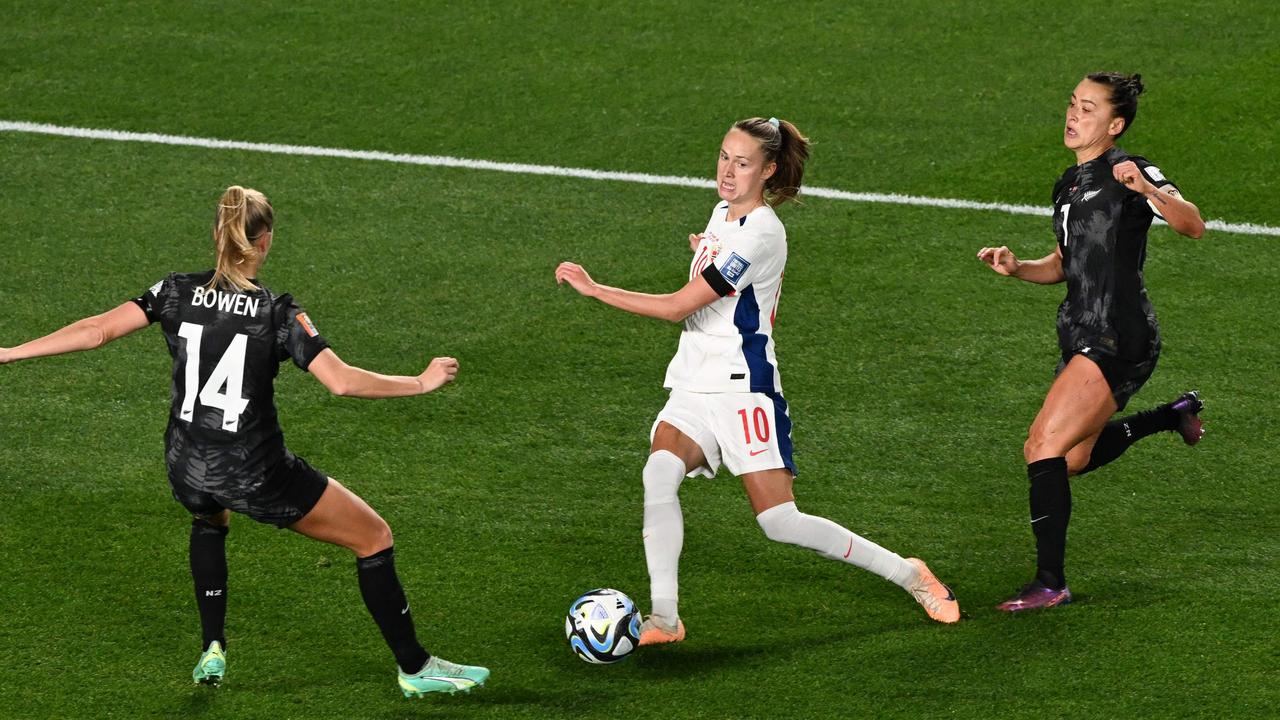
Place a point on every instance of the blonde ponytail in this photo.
(243, 216)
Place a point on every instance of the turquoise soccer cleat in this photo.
(440, 675)
(212, 665)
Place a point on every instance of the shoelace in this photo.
(448, 669)
(926, 598)
(648, 620)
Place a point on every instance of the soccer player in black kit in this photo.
(1107, 330)
(224, 448)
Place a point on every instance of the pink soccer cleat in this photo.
(655, 632)
(1034, 596)
(936, 599)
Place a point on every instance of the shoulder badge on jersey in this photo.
(306, 324)
(1154, 174)
(734, 267)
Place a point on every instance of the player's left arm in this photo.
(1181, 214)
(87, 334)
(674, 307)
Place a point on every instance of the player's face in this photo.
(742, 169)
(1089, 117)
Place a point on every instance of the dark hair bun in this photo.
(1134, 84)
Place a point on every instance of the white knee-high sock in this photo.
(784, 523)
(663, 530)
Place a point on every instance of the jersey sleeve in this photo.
(739, 263)
(150, 301)
(296, 336)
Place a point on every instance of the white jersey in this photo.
(727, 346)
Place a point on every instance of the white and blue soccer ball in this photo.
(603, 626)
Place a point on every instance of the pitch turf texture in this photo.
(912, 371)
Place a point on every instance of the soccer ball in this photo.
(603, 626)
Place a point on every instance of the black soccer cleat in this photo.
(1188, 407)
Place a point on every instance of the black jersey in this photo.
(1101, 228)
(227, 347)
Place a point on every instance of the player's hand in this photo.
(441, 371)
(1001, 259)
(577, 278)
(5, 355)
(694, 240)
(1128, 174)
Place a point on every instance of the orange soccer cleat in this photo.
(936, 598)
(655, 632)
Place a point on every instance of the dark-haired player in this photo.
(224, 448)
(1107, 331)
(726, 401)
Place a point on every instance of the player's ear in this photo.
(1116, 127)
(263, 242)
(769, 170)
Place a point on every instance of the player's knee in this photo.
(374, 540)
(780, 523)
(213, 525)
(1038, 446)
(663, 472)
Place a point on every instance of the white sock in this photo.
(663, 531)
(784, 523)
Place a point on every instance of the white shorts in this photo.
(748, 432)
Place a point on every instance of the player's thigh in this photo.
(682, 428)
(219, 519)
(343, 518)
(668, 437)
(1078, 405)
(768, 488)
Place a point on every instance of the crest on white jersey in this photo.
(734, 267)
(715, 246)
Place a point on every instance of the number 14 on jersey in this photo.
(228, 373)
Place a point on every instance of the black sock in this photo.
(208, 551)
(1050, 513)
(1118, 435)
(380, 588)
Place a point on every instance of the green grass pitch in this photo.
(911, 370)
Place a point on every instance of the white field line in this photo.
(527, 169)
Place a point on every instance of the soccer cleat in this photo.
(655, 632)
(440, 675)
(212, 665)
(936, 599)
(1188, 407)
(1034, 596)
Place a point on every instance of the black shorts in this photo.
(284, 497)
(1124, 377)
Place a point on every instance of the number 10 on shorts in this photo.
(759, 422)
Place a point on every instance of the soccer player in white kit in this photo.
(726, 405)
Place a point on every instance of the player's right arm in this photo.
(672, 307)
(1045, 271)
(87, 334)
(351, 381)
